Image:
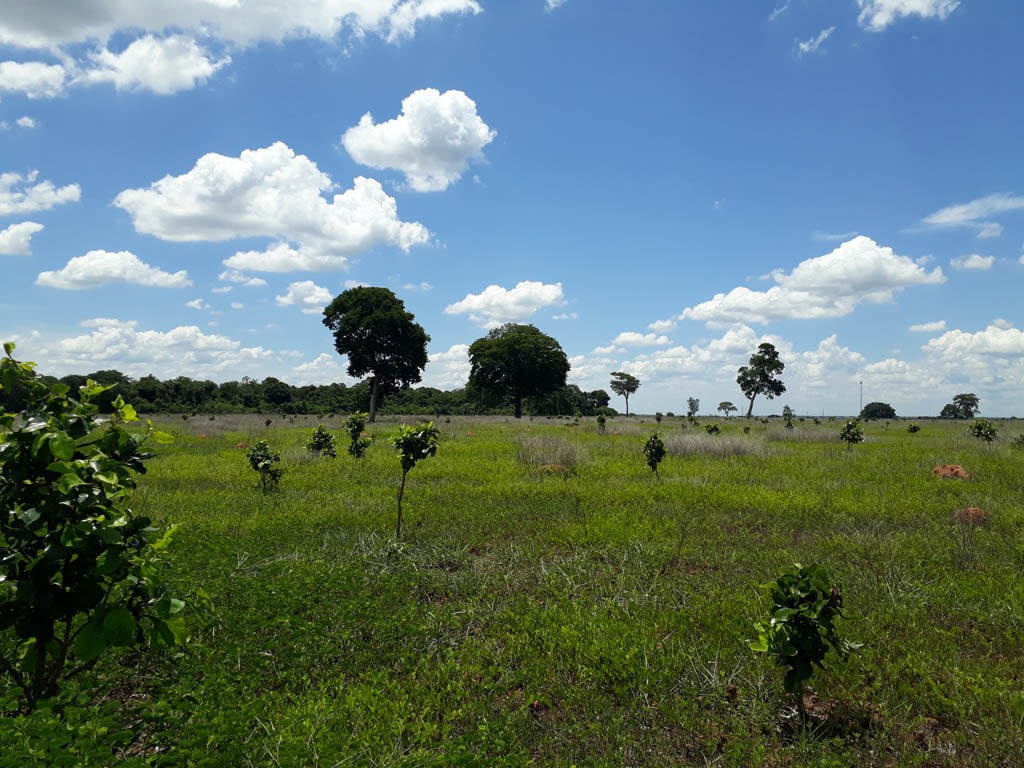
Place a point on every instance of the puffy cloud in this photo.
(938, 325)
(221, 289)
(813, 44)
(234, 276)
(496, 305)
(994, 340)
(1000, 322)
(975, 261)
(25, 122)
(49, 23)
(660, 326)
(197, 304)
(448, 369)
(323, 369)
(566, 316)
(104, 267)
(271, 192)
(432, 142)
(634, 339)
(184, 350)
(832, 285)
(876, 15)
(21, 194)
(164, 66)
(16, 240)
(355, 284)
(972, 215)
(35, 79)
(312, 298)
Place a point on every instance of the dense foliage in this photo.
(801, 628)
(79, 571)
(516, 361)
(851, 433)
(321, 443)
(654, 452)
(624, 384)
(877, 411)
(760, 376)
(264, 462)
(983, 429)
(379, 338)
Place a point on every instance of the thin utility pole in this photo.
(861, 399)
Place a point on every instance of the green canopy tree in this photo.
(967, 405)
(726, 408)
(380, 339)
(759, 378)
(877, 411)
(624, 385)
(517, 361)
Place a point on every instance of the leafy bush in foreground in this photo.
(412, 444)
(801, 630)
(78, 569)
(262, 459)
(1018, 442)
(321, 443)
(913, 428)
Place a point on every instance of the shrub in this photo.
(983, 429)
(851, 433)
(913, 428)
(654, 452)
(801, 630)
(358, 444)
(658, 417)
(712, 429)
(322, 443)
(263, 460)
(412, 444)
(601, 423)
(1018, 442)
(79, 571)
(746, 430)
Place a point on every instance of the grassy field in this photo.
(585, 616)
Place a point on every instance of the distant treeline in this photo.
(184, 395)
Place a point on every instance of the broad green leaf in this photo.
(90, 642)
(119, 626)
(162, 437)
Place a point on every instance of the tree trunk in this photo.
(519, 406)
(374, 390)
(627, 404)
(750, 410)
(401, 490)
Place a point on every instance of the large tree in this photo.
(877, 411)
(726, 407)
(759, 378)
(967, 405)
(517, 361)
(624, 385)
(380, 339)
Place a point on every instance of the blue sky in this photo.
(660, 186)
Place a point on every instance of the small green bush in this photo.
(801, 630)
(983, 429)
(601, 423)
(1018, 442)
(851, 433)
(262, 459)
(322, 443)
(654, 452)
(354, 425)
(413, 444)
(712, 429)
(913, 428)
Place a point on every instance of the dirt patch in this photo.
(971, 516)
(555, 469)
(243, 446)
(952, 470)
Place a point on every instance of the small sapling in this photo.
(412, 444)
(851, 434)
(357, 443)
(983, 429)
(262, 459)
(654, 452)
(322, 443)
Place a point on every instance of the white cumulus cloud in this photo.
(432, 141)
(975, 262)
(164, 66)
(35, 79)
(274, 193)
(307, 295)
(448, 369)
(876, 15)
(832, 285)
(496, 305)
(25, 122)
(235, 276)
(634, 339)
(16, 240)
(22, 194)
(104, 267)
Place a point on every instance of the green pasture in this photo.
(552, 604)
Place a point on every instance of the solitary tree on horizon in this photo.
(624, 384)
(372, 328)
(517, 361)
(759, 378)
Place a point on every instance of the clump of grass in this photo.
(696, 444)
(549, 451)
(799, 435)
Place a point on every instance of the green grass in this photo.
(593, 617)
